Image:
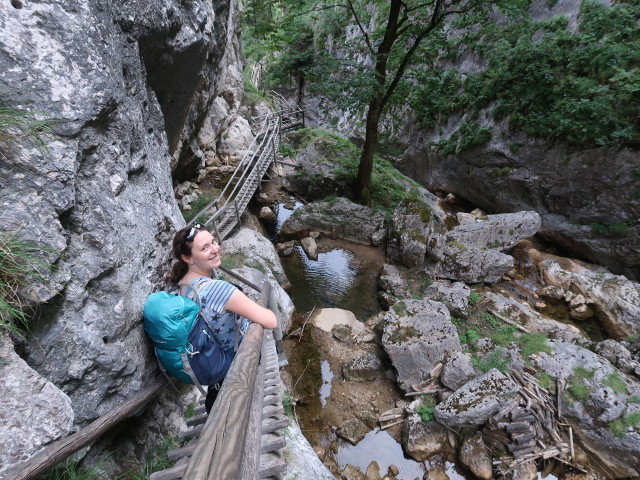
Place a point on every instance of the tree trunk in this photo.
(365, 168)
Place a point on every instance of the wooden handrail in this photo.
(56, 452)
(220, 449)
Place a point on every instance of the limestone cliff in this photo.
(133, 88)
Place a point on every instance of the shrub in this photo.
(426, 409)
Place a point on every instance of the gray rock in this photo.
(615, 299)
(352, 431)
(414, 234)
(612, 351)
(475, 455)
(302, 461)
(417, 337)
(342, 332)
(364, 368)
(310, 248)
(472, 265)
(457, 371)
(393, 282)
(34, 411)
(476, 401)
(605, 400)
(267, 214)
(286, 249)
(496, 232)
(454, 295)
(340, 218)
(422, 440)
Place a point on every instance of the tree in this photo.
(408, 23)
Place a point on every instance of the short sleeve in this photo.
(216, 293)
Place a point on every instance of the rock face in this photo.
(422, 440)
(338, 218)
(417, 335)
(615, 299)
(34, 411)
(594, 409)
(136, 88)
(582, 193)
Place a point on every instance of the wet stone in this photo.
(342, 332)
(353, 431)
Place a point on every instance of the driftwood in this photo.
(510, 322)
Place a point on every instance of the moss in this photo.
(402, 334)
(461, 248)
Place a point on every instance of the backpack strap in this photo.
(189, 371)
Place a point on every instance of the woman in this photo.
(198, 253)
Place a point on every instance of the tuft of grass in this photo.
(534, 343)
(634, 399)
(474, 298)
(619, 427)
(494, 360)
(399, 307)
(546, 381)
(21, 264)
(577, 389)
(234, 261)
(426, 409)
(20, 127)
(615, 381)
(196, 207)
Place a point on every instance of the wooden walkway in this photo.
(224, 213)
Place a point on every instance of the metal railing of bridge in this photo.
(225, 211)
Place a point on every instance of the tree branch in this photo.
(361, 27)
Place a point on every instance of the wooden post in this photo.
(53, 454)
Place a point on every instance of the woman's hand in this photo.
(245, 307)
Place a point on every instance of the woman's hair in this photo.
(182, 243)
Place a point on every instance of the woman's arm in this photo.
(242, 305)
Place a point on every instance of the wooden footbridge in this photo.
(241, 438)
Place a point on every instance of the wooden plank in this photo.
(272, 411)
(179, 453)
(57, 451)
(274, 425)
(275, 443)
(271, 400)
(272, 468)
(193, 421)
(193, 433)
(173, 473)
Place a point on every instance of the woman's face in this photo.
(205, 253)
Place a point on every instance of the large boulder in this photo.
(417, 335)
(455, 295)
(415, 233)
(34, 411)
(458, 370)
(615, 299)
(338, 218)
(472, 265)
(599, 402)
(475, 455)
(496, 232)
(477, 400)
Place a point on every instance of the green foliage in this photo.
(20, 127)
(615, 381)
(582, 87)
(577, 389)
(534, 343)
(287, 150)
(196, 207)
(399, 307)
(492, 360)
(469, 337)
(616, 230)
(426, 409)
(619, 427)
(634, 399)
(190, 411)
(546, 381)
(490, 319)
(22, 263)
(505, 335)
(287, 404)
(474, 298)
(71, 470)
(468, 135)
(234, 261)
